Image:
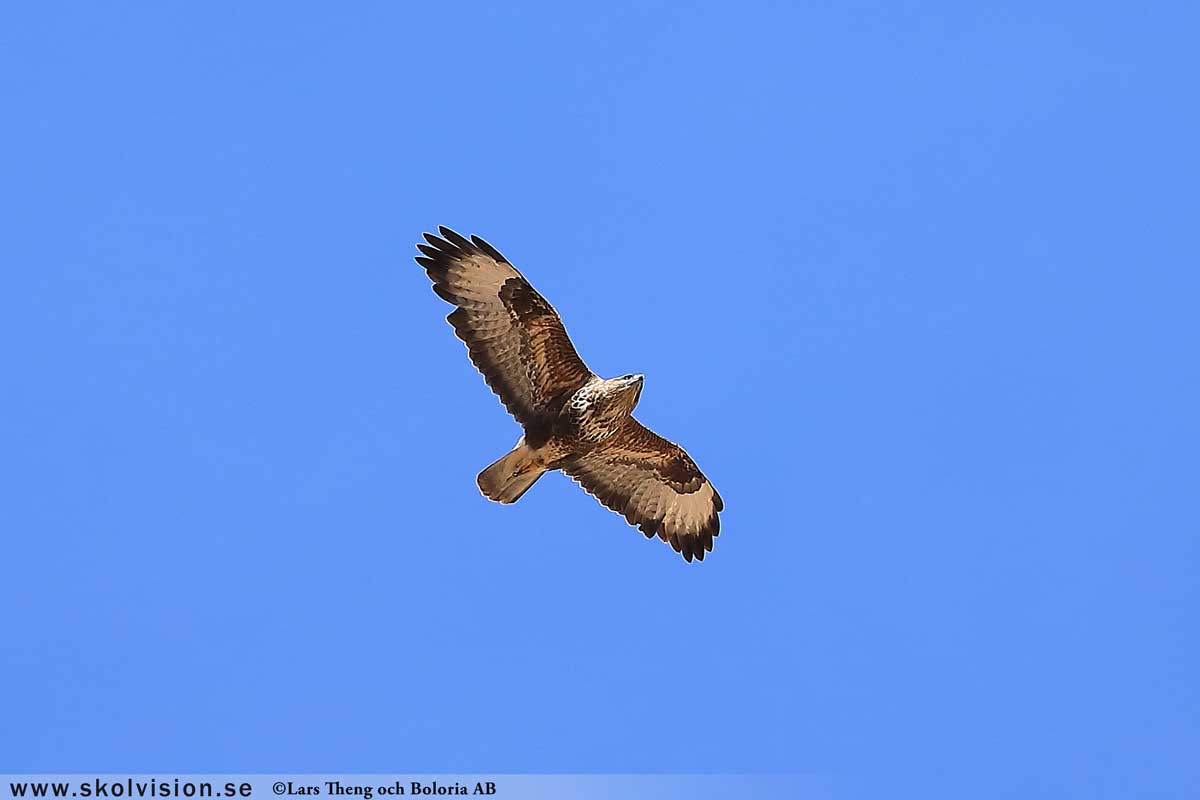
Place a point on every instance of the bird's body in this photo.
(589, 416)
(573, 419)
(598, 408)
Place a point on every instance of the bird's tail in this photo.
(511, 476)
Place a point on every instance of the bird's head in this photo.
(629, 389)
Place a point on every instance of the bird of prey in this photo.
(573, 420)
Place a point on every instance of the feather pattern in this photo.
(514, 337)
(655, 485)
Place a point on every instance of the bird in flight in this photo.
(573, 419)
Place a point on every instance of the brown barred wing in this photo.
(513, 335)
(655, 485)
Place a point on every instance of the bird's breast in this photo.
(588, 418)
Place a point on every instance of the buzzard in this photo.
(574, 420)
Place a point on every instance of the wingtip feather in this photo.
(454, 237)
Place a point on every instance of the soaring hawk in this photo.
(574, 420)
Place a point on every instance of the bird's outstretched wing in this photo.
(655, 484)
(514, 336)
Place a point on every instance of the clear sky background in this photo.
(915, 283)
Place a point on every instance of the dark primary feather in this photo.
(456, 239)
(487, 248)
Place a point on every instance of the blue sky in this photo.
(916, 284)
